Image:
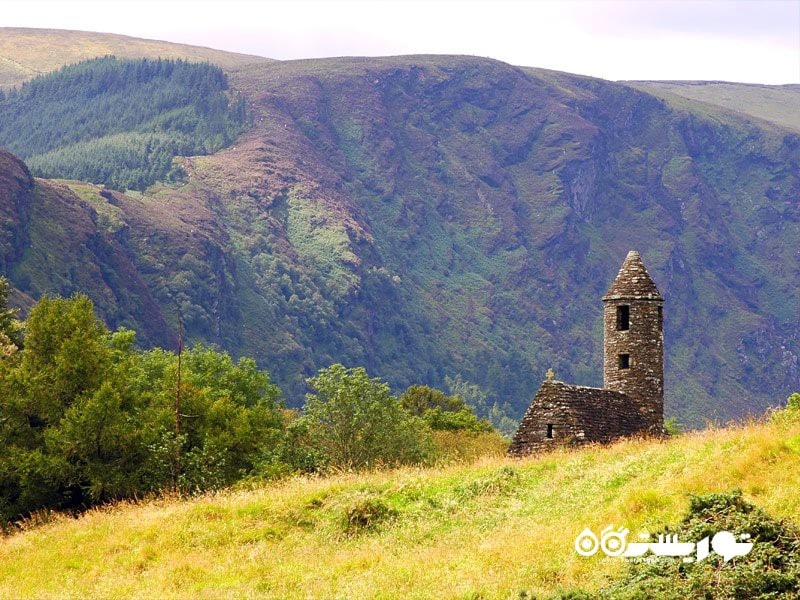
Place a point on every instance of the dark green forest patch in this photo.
(120, 122)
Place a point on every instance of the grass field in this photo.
(487, 530)
(770, 103)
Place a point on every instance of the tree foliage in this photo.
(354, 422)
(440, 411)
(119, 122)
(87, 418)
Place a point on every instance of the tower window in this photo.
(624, 361)
(660, 318)
(623, 317)
(550, 430)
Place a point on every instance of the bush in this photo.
(672, 427)
(440, 411)
(770, 570)
(354, 422)
(365, 514)
(466, 446)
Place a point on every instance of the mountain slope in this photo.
(489, 530)
(26, 53)
(494, 205)
(435, 216)
(776, 104)
(55, 242)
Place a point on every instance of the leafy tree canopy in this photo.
(440, 411)
(86, 417)
(354, 421)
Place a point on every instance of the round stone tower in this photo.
(633, 348)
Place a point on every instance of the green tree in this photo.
(354, 421)
(232, 419)
(478, 400)
(65, 356)
(10, 329)
(86, 418)
(440, 411)
(64, 361)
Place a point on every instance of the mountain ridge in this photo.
(27, 52)
(429, 217)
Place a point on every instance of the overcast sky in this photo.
(732, 40)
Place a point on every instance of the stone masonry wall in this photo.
(643, 342)
(578, 415)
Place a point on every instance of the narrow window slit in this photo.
(549, 430)
(623, 317)
(624, 361)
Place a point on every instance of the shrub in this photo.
(440, 411)
(365, 514)
(465, 446)
(354, 422)
(770, 570)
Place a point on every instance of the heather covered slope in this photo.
(490, 530)
(494, 205)
(55, 241)
(435, 216)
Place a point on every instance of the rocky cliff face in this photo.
(434, 216)
(16, 187)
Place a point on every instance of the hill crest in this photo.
(27, 52)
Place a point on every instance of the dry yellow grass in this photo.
(489, 529)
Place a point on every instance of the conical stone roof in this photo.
(633, 281)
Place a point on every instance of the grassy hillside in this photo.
(489, 530)
(26, 53)
(776, 104)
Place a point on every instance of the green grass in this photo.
(771, 103)
(488, 529)
(322, 241)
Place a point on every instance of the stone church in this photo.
(631, 400)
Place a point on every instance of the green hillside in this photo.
(777, 104)
(119, 122)
(441, 218)
(495, 529)
(26, 53)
